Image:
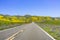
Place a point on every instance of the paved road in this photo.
(30, 32)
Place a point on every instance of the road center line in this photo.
(13, 36)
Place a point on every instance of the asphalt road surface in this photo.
(25, 32)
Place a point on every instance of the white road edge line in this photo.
(45, 32)
(12, 37)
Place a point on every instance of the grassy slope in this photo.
(51, 28)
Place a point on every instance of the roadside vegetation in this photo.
(7, 21)
(49, 24)
(52, 28)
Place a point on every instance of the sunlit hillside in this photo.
(7, 20)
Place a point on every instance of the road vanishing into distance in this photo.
(25, 32)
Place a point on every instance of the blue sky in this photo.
(31, 7)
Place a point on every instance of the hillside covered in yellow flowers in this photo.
(10, 21)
